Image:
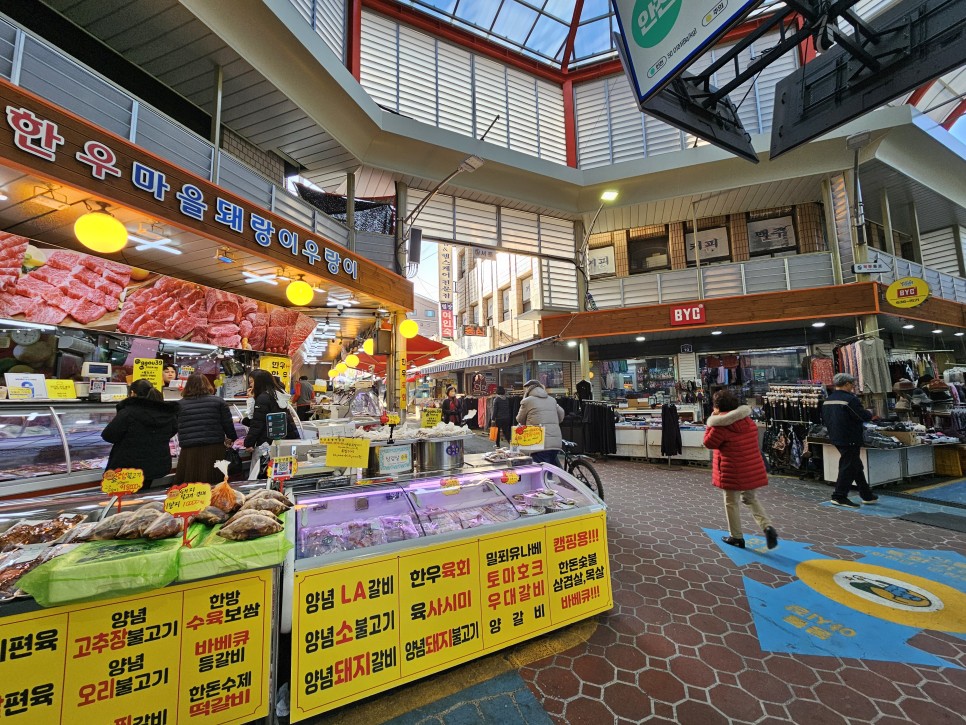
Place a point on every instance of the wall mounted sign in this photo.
(601, 261)
(474, 331)
(907, 292)
(447, 326)
(870, 268)
(765, 235)
(688, 314)
(713, 245)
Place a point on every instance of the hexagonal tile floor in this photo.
(681, 643)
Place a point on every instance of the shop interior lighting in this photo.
(818, 324)
(225, 255)
(252, 278)
(640, 338)
(609, 195)
(907, 327)
(959, 334)
(148, 240)
(18, 323)
(191, 345)
(3, 196)
(936, 332)
(99, 231)
(571, 343)
(716, 332)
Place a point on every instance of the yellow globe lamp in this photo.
(369, 346)
(409, 329)
(591, 375)
(352, 360)
(300, 293)
(341, 368)
(100, 232)
(332, 373)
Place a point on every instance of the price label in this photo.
(346, 452)
(509, 477)
(450, 486)
(122, 481)
(528, 436)
(24, 393)
(61, 390)
(283, 468)
(430, 417)
(278, 366)
(392, 418)
(150, 369)
(185, 372)
(188, 498)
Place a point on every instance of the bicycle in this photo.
(581, 467)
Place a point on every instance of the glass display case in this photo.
(421, 510)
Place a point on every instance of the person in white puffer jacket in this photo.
(538, 408)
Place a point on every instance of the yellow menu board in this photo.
(430, 417)
(278, 366)
(150, 369)
(61, 390)
(362, 626)
(173, 656)
(346, 452)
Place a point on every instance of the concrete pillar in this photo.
(890, 246)
(831, 234)
(350, 209)
(402, 202)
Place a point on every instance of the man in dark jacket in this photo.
(845, 417)
(500, 415)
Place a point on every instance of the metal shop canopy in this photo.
(500, 356)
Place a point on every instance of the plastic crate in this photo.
(948, 462)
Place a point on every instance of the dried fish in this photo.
(250, 527)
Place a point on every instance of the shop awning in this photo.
(419, 350)
(500, 356)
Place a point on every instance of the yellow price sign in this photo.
(150, 369)
(283, 467)
(188, 498)
(510, 477)
(122, 481)
(392, 418)
(527, 436)
(430, 417)
(281, 367)
(450, 486)
(61, 390)
(346, 452)
(23, 393)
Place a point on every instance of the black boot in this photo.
(740, 543)
(771, 537)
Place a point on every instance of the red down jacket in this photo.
(738, 465)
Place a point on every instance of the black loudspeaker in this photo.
(415, 245)
(382, 342)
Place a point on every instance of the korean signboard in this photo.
(474, 331)
(712, 243)
(149, 369)
(39, 136)
(178, 655)
(687, 314)
(766, 235)
(659, 38)
(601, 261)
(360, 627)
(447, 324)
(281, 367)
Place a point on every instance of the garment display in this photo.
(794, 403)
(584, 391)
(865, 360)
(670, 431)
(819, 368)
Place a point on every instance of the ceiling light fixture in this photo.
(300, 292)
(471, 164)
(936, 332)
(959, 334)
(907, 327)
(225, 255)
(100, 232)
(818, 324)
(160, 244)
(640, 338)
(609, 195)
(571, 343)
(716, 332)
(251, 278)
(280, 274)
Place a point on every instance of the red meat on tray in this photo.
(12, 249)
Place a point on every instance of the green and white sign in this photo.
(659, 38)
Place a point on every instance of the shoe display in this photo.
(846, 502)
(872, 499)
(771, 537)
(740, 543)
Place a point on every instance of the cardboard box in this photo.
(904, 437)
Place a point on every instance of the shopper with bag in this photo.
(539, 409)
(738, 467)
(205, 429)
(270, 400)
(500, 417)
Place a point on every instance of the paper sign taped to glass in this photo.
(528, 437)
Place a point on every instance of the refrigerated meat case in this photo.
(47, 445)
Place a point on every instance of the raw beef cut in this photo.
(222, 306)
(283, 318)
(12, 249)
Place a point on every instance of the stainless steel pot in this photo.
(440, 455)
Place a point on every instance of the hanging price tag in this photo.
(450, 486)
(393, 419)
(122, 482)
(187, 500)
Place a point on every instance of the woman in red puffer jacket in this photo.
(738, 467)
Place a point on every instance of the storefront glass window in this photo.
(752, 370)
(512, 378)
(637, 378)
(551, 374)
(648, 255)
(525, 293)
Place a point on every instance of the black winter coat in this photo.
(203, 421)
(140, 433)
(258, 424)
(500, 410)
(845, 418)
(670, 431)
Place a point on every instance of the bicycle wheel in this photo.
(587, 475)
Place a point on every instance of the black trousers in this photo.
(851, 471)
(504, 427)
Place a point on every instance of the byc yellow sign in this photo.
(907, 292)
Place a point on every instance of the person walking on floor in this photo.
(738, 467)
(538, 408)
(500, 415)
(845, 419)
(205, 428)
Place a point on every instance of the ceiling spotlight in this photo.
(609, 195)
(3, 196)
(907, 327)
(225, 256)
(936, 332)
(640, 338)
(571, 343)
(151, 240)
(959, 334)
(818, 324)
(716, 332)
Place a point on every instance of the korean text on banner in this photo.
(346, 452)
(168, 656)
(122, 481)
(281, 367)
(149, 369)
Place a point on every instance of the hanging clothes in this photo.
(671, 444)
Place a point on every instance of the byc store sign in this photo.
(690, 314)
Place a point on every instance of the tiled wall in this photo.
(267, 164)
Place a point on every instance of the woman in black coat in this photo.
(267, 400)
(205, 428)
(141, 432)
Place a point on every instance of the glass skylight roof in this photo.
(535, 28)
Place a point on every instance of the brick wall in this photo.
(264, 162)
(738, 233)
